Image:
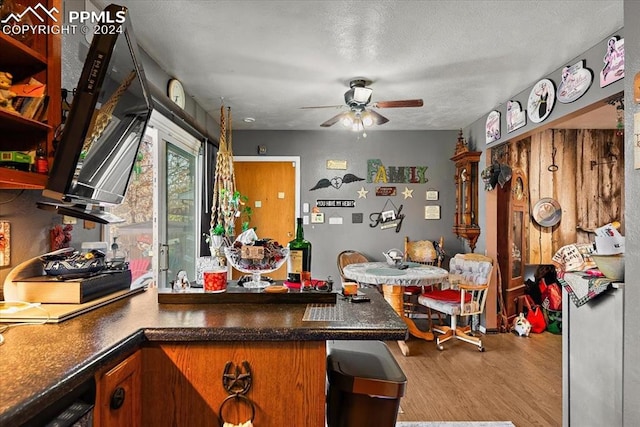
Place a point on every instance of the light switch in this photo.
(258, 204)
(305, 207)
(280, 194)
(305, 219)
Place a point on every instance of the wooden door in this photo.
(271, 189)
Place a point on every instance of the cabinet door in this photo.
(118, 394)
(183, 383)
(513, 220)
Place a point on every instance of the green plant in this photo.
(218, 230)
(233, 205)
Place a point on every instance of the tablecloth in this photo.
(582, 287)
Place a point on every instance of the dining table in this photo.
(392, 280)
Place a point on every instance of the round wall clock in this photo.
(541, 100)
(175, 91)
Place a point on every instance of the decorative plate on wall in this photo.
(547, 212)
(541, 100)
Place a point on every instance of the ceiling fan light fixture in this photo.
(348, 120)
(357, 126)
(367, 119)
(362, 95)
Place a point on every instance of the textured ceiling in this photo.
(269, 58)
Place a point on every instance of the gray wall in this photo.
(631, 360)
(30, 227)
(475, 133)
(418, 148)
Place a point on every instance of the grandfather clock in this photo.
(512, 224)
(466, 180)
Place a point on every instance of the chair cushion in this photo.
(412, 290)
(469, 271)
(421, 251)
(446, 295)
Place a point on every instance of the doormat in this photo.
(454, 424)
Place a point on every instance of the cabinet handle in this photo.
(117, 398)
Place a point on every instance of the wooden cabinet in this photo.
(465, 223)
(183, 383)
(118, 400)
(512, 224)
(38, 58)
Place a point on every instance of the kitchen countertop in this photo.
(41, 363)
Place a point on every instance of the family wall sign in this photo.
(377, 172)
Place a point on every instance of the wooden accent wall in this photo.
(589, 183)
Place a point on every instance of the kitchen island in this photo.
(184, 354)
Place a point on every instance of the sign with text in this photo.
(385, 191)
(336, 203)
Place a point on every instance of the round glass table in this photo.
(393, 280)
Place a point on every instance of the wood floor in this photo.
(516, 379)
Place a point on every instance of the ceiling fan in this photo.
(357, 99)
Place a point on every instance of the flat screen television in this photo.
(101, 136)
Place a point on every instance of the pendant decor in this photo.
(387, 218)
(223, 214)
(541, 100)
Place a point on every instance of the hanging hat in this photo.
(490, 176)
(505, 175)
(547, 212)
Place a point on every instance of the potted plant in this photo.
(234, 205)
(215, 237)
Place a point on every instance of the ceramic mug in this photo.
(215, 280)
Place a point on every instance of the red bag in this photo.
(535, 316)
(552, 297)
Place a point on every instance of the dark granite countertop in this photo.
(41, 363)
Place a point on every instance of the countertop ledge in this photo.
(44, 362)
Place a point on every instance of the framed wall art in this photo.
(613, 69)
(576, 80)
(432, 195)
(541, 100)
(492, 127)
(516, 118)
(432, 212)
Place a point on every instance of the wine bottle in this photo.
(299, 262)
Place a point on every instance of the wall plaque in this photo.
(335, 203)
(385, 191)
(337, 164)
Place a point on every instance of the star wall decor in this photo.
(407, 193)
(362, 193)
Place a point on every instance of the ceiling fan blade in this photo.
(400, 104)
(378, 118)
(333, 120)
(322, 106)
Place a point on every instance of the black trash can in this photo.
(365, 384)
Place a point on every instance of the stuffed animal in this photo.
(5, 94)
(521, 326)
(181, 282)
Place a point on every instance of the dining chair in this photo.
(349, 257)
(424, 252)
(469, 276)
